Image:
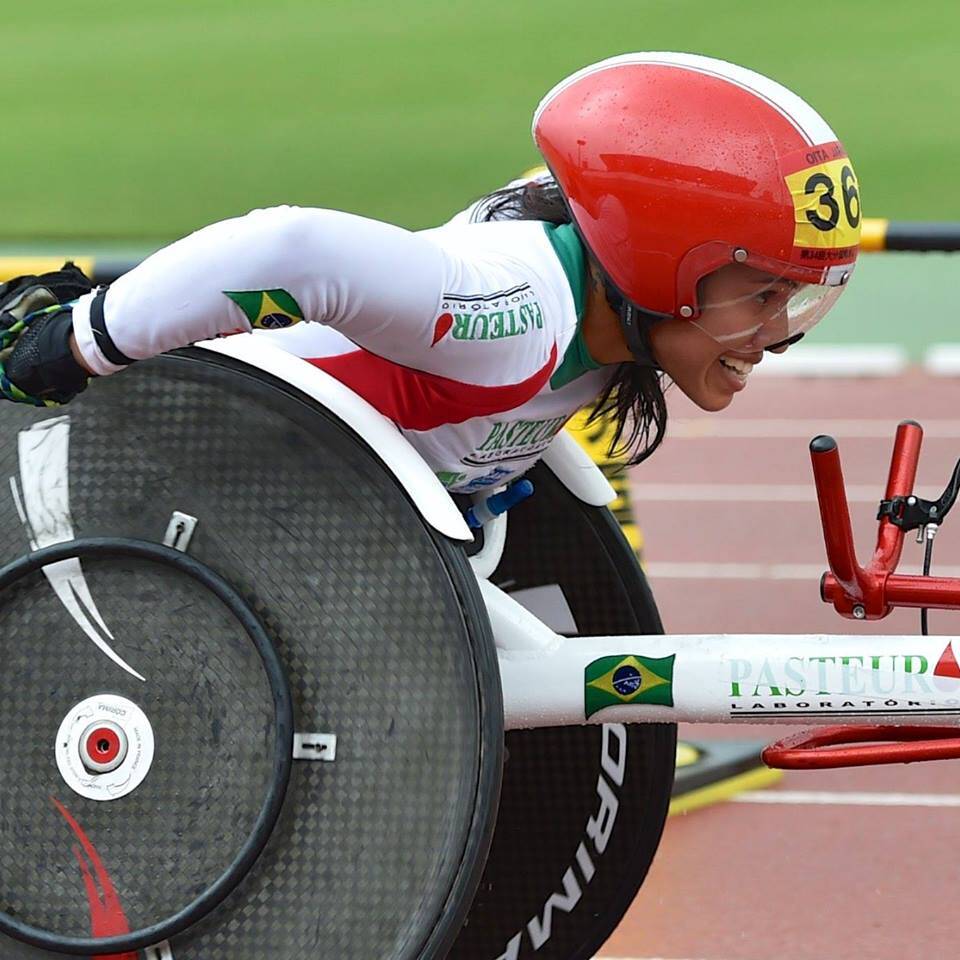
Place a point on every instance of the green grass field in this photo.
(138, 122)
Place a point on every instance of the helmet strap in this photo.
(635, 323)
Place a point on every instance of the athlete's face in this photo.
(710, 367)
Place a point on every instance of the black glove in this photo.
(36, 363)
(23, 295)
(40, 366)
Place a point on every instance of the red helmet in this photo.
(674, 165)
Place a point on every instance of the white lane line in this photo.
(829, 360)
(777, 428)
(942, 360)
(697, 570)
(757, 492)
(851, 798)
(704, 570)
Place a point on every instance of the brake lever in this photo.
(911, 513)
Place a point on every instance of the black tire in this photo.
(550, 786)
(379, 626)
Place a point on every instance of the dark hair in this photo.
(633, 397)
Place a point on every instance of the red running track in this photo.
(800, 880)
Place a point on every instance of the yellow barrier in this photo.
(11, 267)
(595, 439)
(873, 234)
(724, 789)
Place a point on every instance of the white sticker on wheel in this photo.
(104, 747)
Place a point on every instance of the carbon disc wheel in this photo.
(572, 845)
(376, 623)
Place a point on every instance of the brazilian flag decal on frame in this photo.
(614, 681)
(267, 309)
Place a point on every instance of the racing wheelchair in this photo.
(264, 694)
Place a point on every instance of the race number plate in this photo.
(826, 198)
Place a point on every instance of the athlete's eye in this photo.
(779, 294)
(766, 297)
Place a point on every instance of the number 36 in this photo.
(827, 214)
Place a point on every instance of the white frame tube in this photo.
(721, 678)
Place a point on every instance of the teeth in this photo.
(741, 367)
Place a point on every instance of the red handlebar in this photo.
(870, 593)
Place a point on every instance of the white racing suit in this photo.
(466, 336)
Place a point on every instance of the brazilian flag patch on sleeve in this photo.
(614, 681)
(267, 309)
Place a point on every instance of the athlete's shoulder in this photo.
(505, 282)
(504, 253)
(505, 238)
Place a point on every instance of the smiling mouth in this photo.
(739, 368)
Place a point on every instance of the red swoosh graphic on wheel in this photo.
(107, 918)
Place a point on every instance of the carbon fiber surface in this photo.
(373, 853)
(572, 844)
(209, 706)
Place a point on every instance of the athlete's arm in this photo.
(463, 304)
(377, 283)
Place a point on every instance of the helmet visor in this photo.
(747, 309)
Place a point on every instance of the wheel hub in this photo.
(104, 747)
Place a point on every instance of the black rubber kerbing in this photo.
(922, 237)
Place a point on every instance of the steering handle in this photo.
(871, 592)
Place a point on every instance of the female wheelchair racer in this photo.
(697, 214)
(728, 228)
